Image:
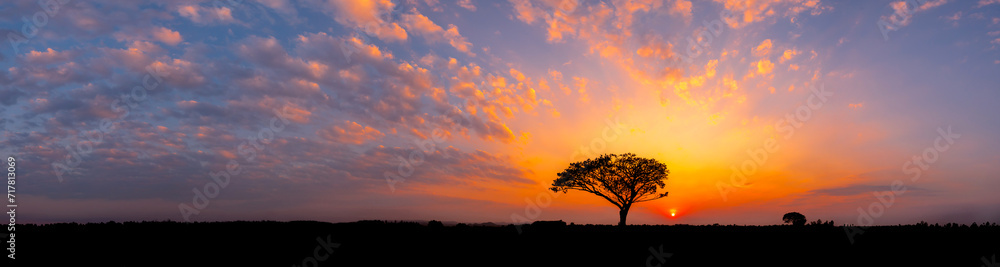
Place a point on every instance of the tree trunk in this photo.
(622, 214)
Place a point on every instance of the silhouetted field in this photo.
(376, 243)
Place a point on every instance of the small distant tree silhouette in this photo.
(794, 218)
(622, 180)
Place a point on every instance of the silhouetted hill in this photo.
(380, 243)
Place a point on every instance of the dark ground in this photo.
(374, 243)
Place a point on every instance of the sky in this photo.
(861, 112)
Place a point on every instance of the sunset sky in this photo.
(473, 106)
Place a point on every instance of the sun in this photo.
(673, 212)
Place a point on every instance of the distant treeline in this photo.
(434, 223)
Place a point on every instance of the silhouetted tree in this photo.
(434, 224)
(622, 180)
(794, 218)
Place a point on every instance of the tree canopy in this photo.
(794, 218)
(623, 179)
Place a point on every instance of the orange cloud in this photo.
(227, 154)
(456, 40)
(367, 15)
(525, 11)
(788, 55)
(292, 111)
(517, 75)
(656, 48)
(764, 66)
(581, 85)
(422, 25)
(710, 68)
(763, 49)
(350, 132)
(681, 7)
(747, 12)
(370, 51)
(903, 13)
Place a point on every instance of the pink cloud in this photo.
(49, 56)
(206, 15)
(167, 36)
